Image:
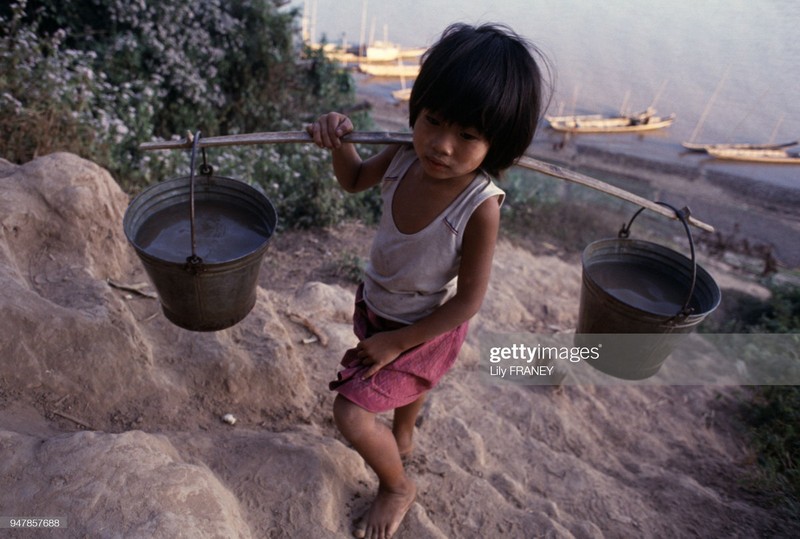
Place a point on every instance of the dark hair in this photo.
(486, 78)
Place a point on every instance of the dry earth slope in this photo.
(110, 416)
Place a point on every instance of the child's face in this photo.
(447, 150)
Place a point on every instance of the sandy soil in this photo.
(110, 416)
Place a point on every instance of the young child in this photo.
(474, 108)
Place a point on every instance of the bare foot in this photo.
(387, 512)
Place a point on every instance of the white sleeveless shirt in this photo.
(409, 275)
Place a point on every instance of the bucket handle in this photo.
(683, 215)
(193, 262)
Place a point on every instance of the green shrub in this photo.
(47, 93)
(774, 418)
(773, 415)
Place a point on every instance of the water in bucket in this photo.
(652, 291)
(222, 232)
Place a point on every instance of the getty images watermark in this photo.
(521, 359)
(666, 359)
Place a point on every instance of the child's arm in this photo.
(351, 172)
(477, 251)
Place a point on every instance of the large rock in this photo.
(129, 485)
(74, 339)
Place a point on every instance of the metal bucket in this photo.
(647, 293)
(201, 241)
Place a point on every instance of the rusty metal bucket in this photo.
(201, 240)
(642, 289)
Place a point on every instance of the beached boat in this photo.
(598, 123)
(385, 50)
(381, 51)
(699, 147)
(575, 118)
(708, 147)
(756, 155)
(389, 70)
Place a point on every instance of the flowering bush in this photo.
(46, 93)
(98, 77)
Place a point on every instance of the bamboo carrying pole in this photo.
(373, 137)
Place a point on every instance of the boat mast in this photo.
(362, 47)
(708, 105)
(623, 110)
(575, 99)
(750, 111)
(658, 94)
(775, 131)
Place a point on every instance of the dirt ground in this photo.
(111, 417)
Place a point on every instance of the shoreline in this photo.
(745, 211)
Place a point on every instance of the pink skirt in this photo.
(404, 380)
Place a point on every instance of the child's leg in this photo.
(403, 425)
(377, 445)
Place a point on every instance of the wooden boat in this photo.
(725, 147)
(412, 52)
(575, 118)
(385, 50)
(389, 70)
(756, 155)
(381, 51)
(699, 147)
(597, 123)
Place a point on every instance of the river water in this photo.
(733, 61)
(728, 69)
